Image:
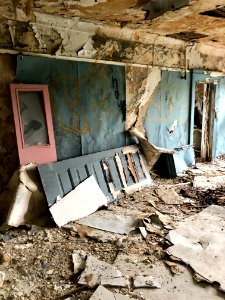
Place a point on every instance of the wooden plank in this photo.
(131, 167)
(90, 170)
(120, 169)
(82, 173)
(52, 187)
(114, 173)
(65, 182)
(61, 177)
(100, 177)
(139, 172)
(129, 178)
(74, 177)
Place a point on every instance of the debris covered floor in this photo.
(39, 263)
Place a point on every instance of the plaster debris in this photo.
(208, 182)
(174, 268)
(96, 272)
(88, 50)
(85, 199)
(146, 281)
(143, 232)
(199, 241)
(157, 222)
(102, 293)
(109, 221)
(2, 278)
(79, 260)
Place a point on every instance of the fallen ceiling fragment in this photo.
(199, 241)
(109, 221)
(151, 152)
(85, 199)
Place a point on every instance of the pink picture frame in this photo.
(33, 123)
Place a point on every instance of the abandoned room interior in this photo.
(112, 149)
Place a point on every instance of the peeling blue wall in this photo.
(173, 100)
(87, 102)
(170, 102)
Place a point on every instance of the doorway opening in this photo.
(204, 120)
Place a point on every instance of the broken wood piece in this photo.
(109, 221)
(102, 293)
(131, 167)
(199, 241)
(121, 170)
(84, 200)
(151, 152)
(97, 271)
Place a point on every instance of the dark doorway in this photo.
(204, 119)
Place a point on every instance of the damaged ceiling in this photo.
(121, 31)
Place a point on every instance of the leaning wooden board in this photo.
(115, 170)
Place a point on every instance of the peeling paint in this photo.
(139, 94)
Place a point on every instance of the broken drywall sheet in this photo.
(199, 241)
(109, 221)
(102, 293)
(98, 272)
(151, 152)
(141, 83)
(85, 199)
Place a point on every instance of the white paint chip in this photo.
(84, 200)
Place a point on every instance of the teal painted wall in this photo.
(170, 102)
(87, 102)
